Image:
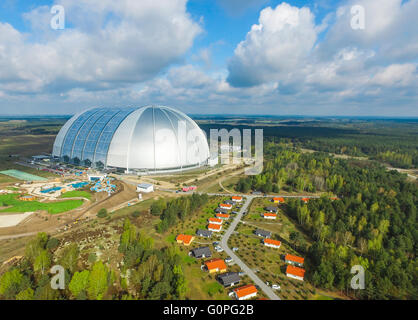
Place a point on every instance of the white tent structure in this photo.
(150, 139)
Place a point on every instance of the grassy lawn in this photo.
(16, 205)
(77, 194)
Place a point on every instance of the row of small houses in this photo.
(227, 279)
(293, 270)
(215, 224)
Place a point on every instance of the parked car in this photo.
(275, 287)
(216, 243)
(241, 274)
(228, 260)
(235, 249)
(219, 249)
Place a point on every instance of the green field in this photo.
(15, 205)
(77, 194)
(20, 175)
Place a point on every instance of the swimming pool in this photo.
(51, 190)
(79, 185)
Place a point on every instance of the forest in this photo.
(145, 272)
(372, 223)
(393, 141)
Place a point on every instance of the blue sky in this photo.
(222, 56)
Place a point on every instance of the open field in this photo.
(77, 194)
(14, 205)
(20, 175)
(12, 220)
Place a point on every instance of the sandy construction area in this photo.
(12, 220)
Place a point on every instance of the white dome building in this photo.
(145, 140)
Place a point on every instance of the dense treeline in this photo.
(373, 223)
(144, 273)
(177, 209)
(399, 151)
(391, 141)
(291, 170)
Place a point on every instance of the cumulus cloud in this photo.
(397, 75)
(131, 53)
(280, 43)
(121, 42)
(343, 65)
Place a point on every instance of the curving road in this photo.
(224, 243)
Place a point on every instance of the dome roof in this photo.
(149, 138)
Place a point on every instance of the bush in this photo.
(102, 213)
(52, 243)
(136, 214)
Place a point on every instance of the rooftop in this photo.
(185, 238)
(214, 226)
(293, 258)
(245, 290)
(215, 264)
(299, 272)
(273, 242)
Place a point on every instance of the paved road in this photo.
(224, 243)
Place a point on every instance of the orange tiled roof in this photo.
(299, 272)
(185, 238)
(305, 199)
(215, 264)
(278, 199)
(245, 290)
(226, 205)
(214, 226)
(215, 220)
(222, 215)
(273, 242)
(293, 258)
(236, 198)
(269, 214)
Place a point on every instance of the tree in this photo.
(10, 282)
(27, 294)
(98, 283)
(102, 213)
(69, 257)
(79, 282)
(180, 281)
(157, 207)
(52, 243)
(42, 262)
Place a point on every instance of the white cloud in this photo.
(280, 43)
(342, 67)
(397, 75)
(121, 42)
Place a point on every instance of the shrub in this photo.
(102, 213)
(52, 243)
